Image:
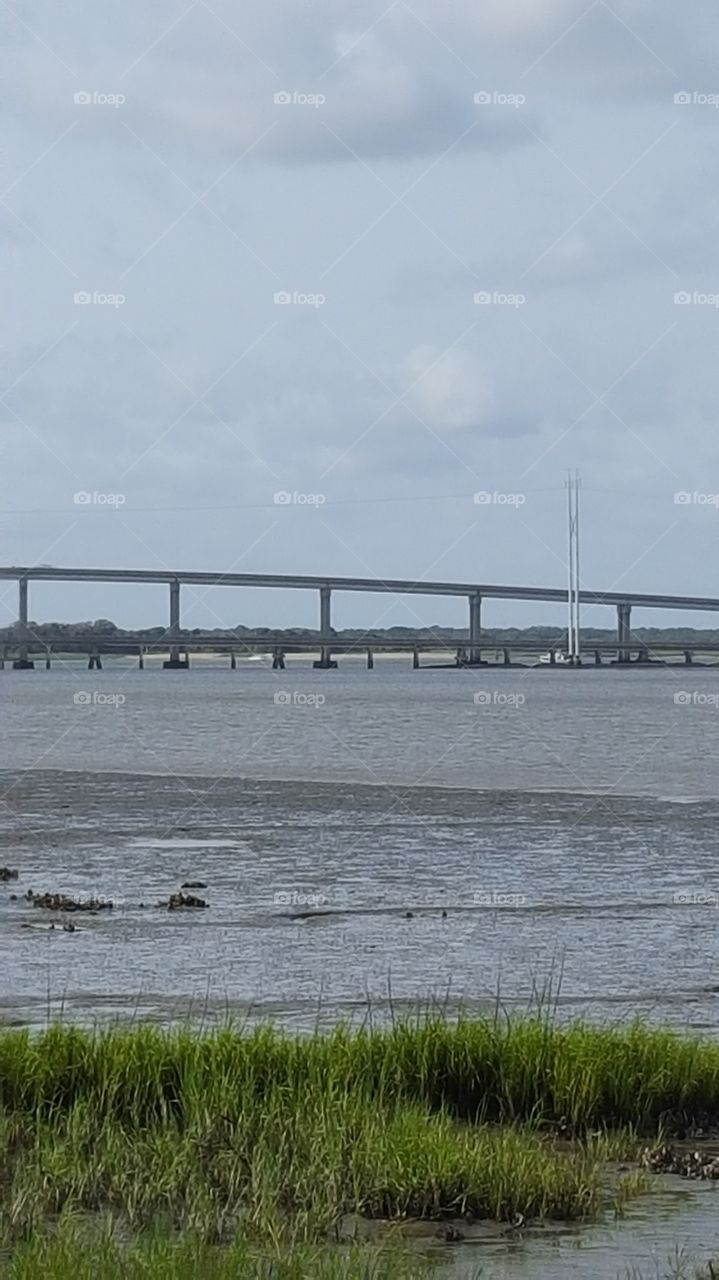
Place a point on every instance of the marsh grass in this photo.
(271, 1139)
(69, 1253)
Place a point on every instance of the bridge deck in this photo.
(398, 586)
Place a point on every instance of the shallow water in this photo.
(371, 840)
(672, 1223)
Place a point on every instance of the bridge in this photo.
(174, 638)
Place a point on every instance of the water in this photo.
(371, 839)
(591, 731)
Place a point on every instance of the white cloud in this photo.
(450, 390)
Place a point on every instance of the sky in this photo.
(346, 288)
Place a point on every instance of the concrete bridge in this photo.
(622, 601)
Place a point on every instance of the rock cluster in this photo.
(61, 902)
(178, 901)
(6, 873)
(688, 1164)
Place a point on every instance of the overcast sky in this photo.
(182, 164)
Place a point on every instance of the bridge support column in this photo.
(325, 662)
(94, 662)
(23, 662)
(597, 658)
(47, 659)
(415, 659)
(507, 661)
(370, 659)
(474, 655)
(688, 657)
(233, 660)
(278, 660)
(141, 658)
(175, 663)
(624, 632)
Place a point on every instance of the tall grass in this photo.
(70, 1252)
(267, 1138)
(577, 1077)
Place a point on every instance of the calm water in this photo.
(547, 832)
(566, 823)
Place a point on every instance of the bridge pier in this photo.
(233, 660)
(141, 659)
(474, 655)
(597, 658)
(47, 659)
(325, 662)
(624, 632)
(415, 659)
(688, 657)
(370, 659)
(175, 662)
(23, 662)
(278, 660)
(94, 662)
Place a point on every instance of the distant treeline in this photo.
(103, 627)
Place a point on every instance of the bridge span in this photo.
(622, 601)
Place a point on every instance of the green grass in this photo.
(577, 1078)
(70, 1253)
(267, 1141)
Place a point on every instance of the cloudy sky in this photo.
(373, 258)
